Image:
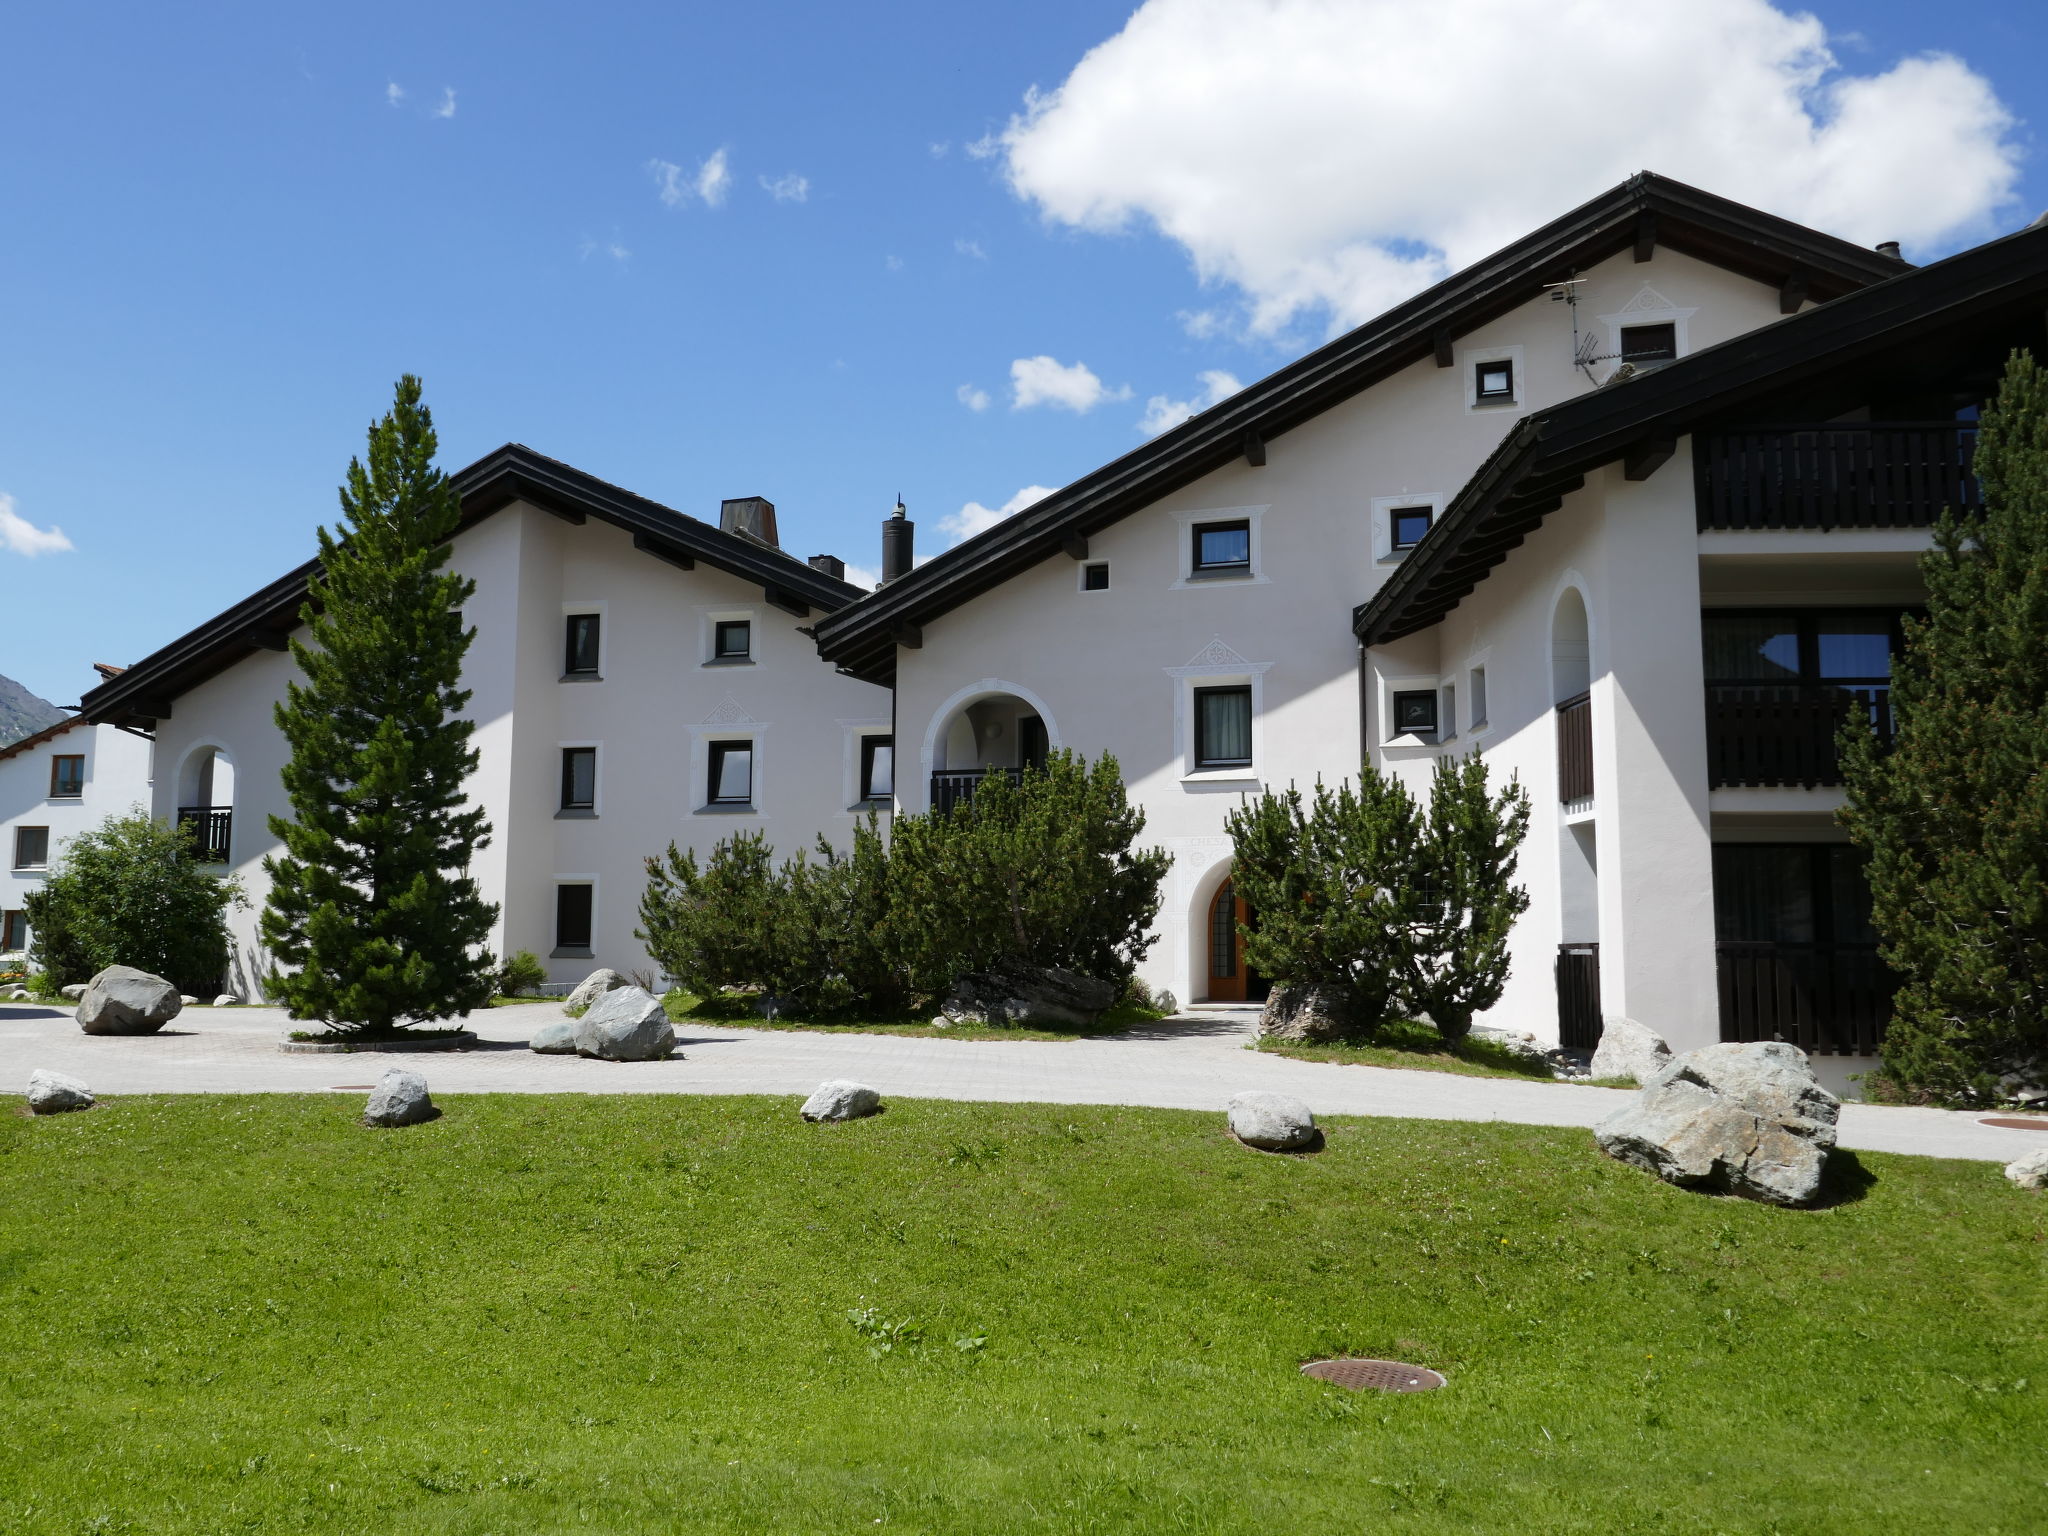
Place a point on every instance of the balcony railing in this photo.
(212, 826)
(1783, 734)
(950, 786)
(1575, 750)
(1829, 999)
(1892, 475)
(1578, 995)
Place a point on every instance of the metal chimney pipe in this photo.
(899, 536)
(1889, 248)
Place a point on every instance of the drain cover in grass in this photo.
(1378, 1375)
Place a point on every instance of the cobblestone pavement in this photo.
(1193, 1062)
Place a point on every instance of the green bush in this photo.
(520, 974)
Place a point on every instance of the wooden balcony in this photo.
(1827, 999)
(950, 786)
(1783, 735)
(212, 828)
(1575, 750)
(1885, 475)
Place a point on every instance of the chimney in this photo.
(751, 517)
(1889, 248)
(898, 536)
(831, 565)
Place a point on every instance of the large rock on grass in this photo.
(400, 1098)
(1309, 1014)
(1014, 992)
(1272, 1122)
(2031, 1171)
(556, 1039)
(592, 987)
(124, 1001)
(1628, 1049)
(627, 1024)
(75, 991)
(1741, 1119)
(841, 1100)
(54, 1093)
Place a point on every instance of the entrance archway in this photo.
(1231, 978)
(992, 727)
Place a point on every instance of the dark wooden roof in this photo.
(1952, 322)
(47, 733)
(1642, 213)
(143, 693)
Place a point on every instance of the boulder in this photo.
(1015, 992)
(556, 1039)
(1742, 1119)
(124, 1001)
(16, 994)
(626, 1024)
(1165, 1002)
(1518, 1041)
(2029, 1172)
(594, 986)
(1628, 1049)
(185, 1000)
(1272, 1122)
(841, 1100)
(400, 1098)
(1309, 1014)
(75, 991)
(52, 1093)
(227, 1000)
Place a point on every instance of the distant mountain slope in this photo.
(22, 713)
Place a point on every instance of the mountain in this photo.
(22, 713)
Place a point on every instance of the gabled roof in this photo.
(1642, 213)
(143, 693)
(47, 733)
(1953, 321)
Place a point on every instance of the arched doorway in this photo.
(206, 802)
(1231, 977)
(983, 730)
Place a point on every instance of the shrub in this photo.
(1458, 956)
(520, 974)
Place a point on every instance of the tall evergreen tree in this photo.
(373, 917)
(1955, 814)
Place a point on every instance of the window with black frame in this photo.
(878, 768)
(1223, 727)
(1649, 343)
(1409, 524)
(733, 640)
(730, 779)
(1842, 656)
(573, 907)
(1223, 549)
(581, 633)
(1493, 382)
(1414, 712)
(31, 847)
(579, 779)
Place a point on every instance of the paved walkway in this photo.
(1195, 1062)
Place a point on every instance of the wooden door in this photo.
(1227, 976)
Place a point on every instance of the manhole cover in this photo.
(2008, 1124)
(1379, 1375)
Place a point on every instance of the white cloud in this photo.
(862, 576)
(1071, 386)
(939, 149)
(1335, 158)
(447, 106)
(713, 179)
(786, 189)
(23, 537)
(710, 181)
(975, 518)
(974, 399)
(1161, 413)
(892, 263)
(1201, 324)
(966, 247)
(393, 92)
(987, 147)
(589, 248)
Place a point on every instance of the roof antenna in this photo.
(1567, 292)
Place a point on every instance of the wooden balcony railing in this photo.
(1578, 995)
(212, 828)
(1575, 750)
(1784, 734)
(1888, 475)
(950, 786)
(1829, 999)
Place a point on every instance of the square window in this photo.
(572, 916)
(1476, 696)
(579, 778)
(732, 640)
(580, 645)
(31, 847)
(1095, 577)
(1649, 343)
(1223, 727)
(1493, 381)
(878, 767)
(731, 779)
(14, 930)
(1409, 524)
(1415, 712)
(67, 777)
(1223, 548)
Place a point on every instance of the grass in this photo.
(740, 1010)
(658, 1314)
(1418, 1047)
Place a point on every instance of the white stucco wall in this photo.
(117, 769)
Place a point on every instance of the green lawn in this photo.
(1418, 1047)
(741, 1010)
(631, 1314)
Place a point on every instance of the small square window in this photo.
(580, 648)
(1649, 343)
(1095, 577)
(1223, 548)
(878, 768)
(1223, 727)
(732, 640)
(13, 931)
(579, 778)
(67, 776)
(31, 847)
(1493, 381)
(731, 777)
(572, 917)
(1415, 712)
(1409, 525)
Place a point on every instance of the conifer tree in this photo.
(1470, 843)
(373, 917)
(1955, 813)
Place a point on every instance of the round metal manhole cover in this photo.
(1374, 1375)
(2005, 1123)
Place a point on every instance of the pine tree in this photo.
(1955, 813)
(373, 917)
(1470, 840)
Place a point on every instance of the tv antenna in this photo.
(1585, 349)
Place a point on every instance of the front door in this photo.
(1230, 979)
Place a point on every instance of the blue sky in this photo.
(225, 230)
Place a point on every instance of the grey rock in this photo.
(626, 1024)
(841, 1100)
(1519, 1041)
(400, 1098)
(124, 1001)
(1310, 1014)
(227, 1000)
(1628, 1049)
(186, 1001)
(2031, 1171)
(1272, 1122)
(1743, 1119)
(53, 1093)
(75, 991)
(556, 1039)
(1165, 1002)
(1013, 992)
(16, 994)
(594, 986)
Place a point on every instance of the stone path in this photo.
(1195, 1062)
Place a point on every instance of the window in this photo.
(31, 847)
(1095, 576)
(1409, 524)
(13, 930)
(1415, 712)
(1476, 694)
(1649, 343)
(1448, 714)
(878, 767)
(731, 779)
(580, 645)
(579, 778)
(732, 640)
(1223, 549)
(67, 777)
(572, 918)
(1494, 382)
(1223, 727)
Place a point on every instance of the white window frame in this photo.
(1383, 509)
(1468, 361)
(1184, 578)
(1081, 576)
(708, 620)
(556, 950)
(604, 641)
(1675, 318)
(563, 812)
(1224, 675)
(701, 737)
(854, 732)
